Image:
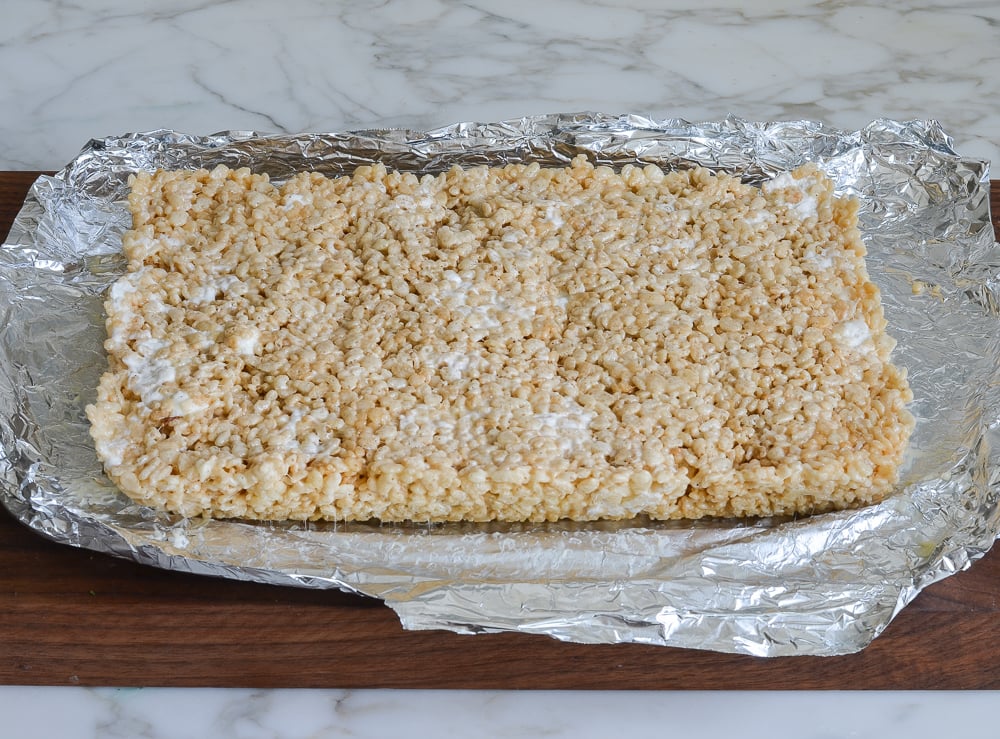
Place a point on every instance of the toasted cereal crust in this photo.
(516, 343)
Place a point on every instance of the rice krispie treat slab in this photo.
(514, 344)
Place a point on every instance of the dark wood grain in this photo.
(74, 617)
(13, 189)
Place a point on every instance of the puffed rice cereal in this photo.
(512, 343)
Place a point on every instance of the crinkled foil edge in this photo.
(823, 585)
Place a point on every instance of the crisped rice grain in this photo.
(518, 344)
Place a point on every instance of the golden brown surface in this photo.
(497, 344)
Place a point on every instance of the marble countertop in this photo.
(74, 71)
(324, 714)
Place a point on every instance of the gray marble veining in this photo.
(324, 714)
(77, 71)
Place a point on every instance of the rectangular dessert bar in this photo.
(513, 343)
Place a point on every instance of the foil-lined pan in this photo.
(820, 585)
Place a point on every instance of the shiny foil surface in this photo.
(820, 585)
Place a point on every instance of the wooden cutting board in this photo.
(73, 617)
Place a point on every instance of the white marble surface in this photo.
(73, 71)
(76, 70)
(318, 714)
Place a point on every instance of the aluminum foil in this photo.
(820, 585)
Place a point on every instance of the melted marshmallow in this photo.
(485, 315)
(247, 343)
(853, 333)
(806, 207)
(295, 198)
(147, 372)
(112, 452)
(210, 290)
(553, 214)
